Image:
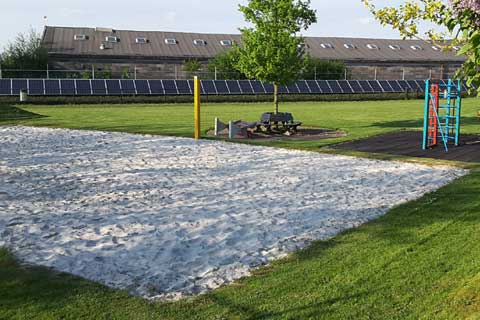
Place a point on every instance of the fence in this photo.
(174, 72)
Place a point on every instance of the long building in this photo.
(159, 54)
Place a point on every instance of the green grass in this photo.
(420, 261)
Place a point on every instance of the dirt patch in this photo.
(409, 143)
(301, 134)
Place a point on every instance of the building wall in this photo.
(175, 70)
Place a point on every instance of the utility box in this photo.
(23, 95)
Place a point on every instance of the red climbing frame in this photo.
(432, 117)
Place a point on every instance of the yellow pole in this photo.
(196, 95)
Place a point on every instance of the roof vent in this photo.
(199, 42)
(141, 40)
(303, 45)
(416, 47)
(111, 39)
(171, 41)
(80, 37)
(349, 46)
(326, 45)
(456, 48)
(372, 46)
(436, 48)
(226, 43)
(102, 46)
(394, 47)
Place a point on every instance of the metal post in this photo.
(135, 72)
(345, 73)
(48, 72)
(426, 113)
(315, 70)
(93, 71)
(403, 73)
(176, 74)
(430, 74)
(1, 76)
(216, 73)
(375, 73)
(196, 98)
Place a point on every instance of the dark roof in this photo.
(60, 41)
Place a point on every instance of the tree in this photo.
(26, 52)
(319, 69)
(192, 66)
(461, 18)
(272, 50)
(225, 64)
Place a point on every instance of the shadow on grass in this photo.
(418, 124)
(9, 113)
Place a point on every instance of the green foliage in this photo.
(192, 65)
(225, 64)
(320, 69)
(271, 50)
(459, 17)
(104, 74)
(25, 52)
(125, 73)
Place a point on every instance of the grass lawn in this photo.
(420, 261)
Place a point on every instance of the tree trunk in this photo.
(275, 96)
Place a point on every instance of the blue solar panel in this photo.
(335, 86)
(192, 85)
(156, 87)
(127, 87)
(221, 86)
(19, 84)
(233, 86)
(209, 87)
(52, 87)
(324, 86)
(183, 87)
(5, 87)
(395, 86)
(385, 86)
(113, 87)
(303, 87)
(282, 89)
(464, 86)
(421, 84)
(98, 87)
(143, 87)
(258, 87)
(67, 87)
(404, 85)
(246, 87)
(292, 88)
(414, 85)
(375, 86)
(268, 87)
(355, 86)
(345, 86)
(36, 87)
(169, 86)
(83, 87)
(313, 86)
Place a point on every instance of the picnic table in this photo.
(282, 121)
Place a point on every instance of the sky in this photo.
(348, 18)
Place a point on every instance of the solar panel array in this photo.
(83, 87)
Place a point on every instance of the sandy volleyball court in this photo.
(165, 217)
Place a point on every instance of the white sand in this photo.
(166, 217)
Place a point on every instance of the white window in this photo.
(326, 45)
(79, 37)
(435, 48)
(171, 41)
(372, 46)
(141, 40)
(395, 47)
(416, 47)
(226, 43)
(111, 39)
(349, 46)
(199, 42)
